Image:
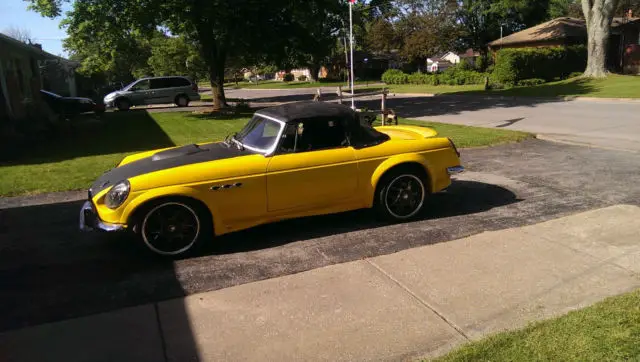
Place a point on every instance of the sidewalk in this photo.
(420, 302)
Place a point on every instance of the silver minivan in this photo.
(157, 90)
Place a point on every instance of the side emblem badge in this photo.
(227, 186)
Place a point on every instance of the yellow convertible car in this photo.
(293, 160)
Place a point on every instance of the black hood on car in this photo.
(162, 160)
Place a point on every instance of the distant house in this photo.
(22, 67)
(625, 34)
(438, 64)
(455, 58)
(296, 73)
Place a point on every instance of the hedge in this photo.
(395, 76)
(514, 65)
(451, 76)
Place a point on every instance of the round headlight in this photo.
(118, 193)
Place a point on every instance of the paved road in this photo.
(602, 123)
(49, 271)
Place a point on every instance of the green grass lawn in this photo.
(73, 159)
(614, 86)
(607, 331)
(465, 136)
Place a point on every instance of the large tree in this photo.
(222, 29)
(483, 19)
(598, 15)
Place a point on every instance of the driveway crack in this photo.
(420, 300)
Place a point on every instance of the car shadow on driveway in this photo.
(50, 271)
(461, 198)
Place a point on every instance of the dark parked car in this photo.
(70, 106)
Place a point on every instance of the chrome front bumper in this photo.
(90, 221)
(455, 170)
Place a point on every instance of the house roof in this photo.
(34, 49)
(18, 44)
(559, 28)
(469, 53)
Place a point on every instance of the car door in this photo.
(314, 167)
(160, 91)
(140, 92)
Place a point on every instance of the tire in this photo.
(174, 228)
(123, 104)
(182, 101)
(401, 194)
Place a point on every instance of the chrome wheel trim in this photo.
(175, 252)
(419, 204)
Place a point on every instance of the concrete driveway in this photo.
(601, 123)
(49, 271)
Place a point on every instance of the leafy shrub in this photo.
(288, 77)
(302, 78)
(483, 63)
(395, 76)
(422, 78)
(465, 64)
(531, 82)
(514, 65)
(575, 74)
(459, 76)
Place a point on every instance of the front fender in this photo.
(395, 161)
(169, 191)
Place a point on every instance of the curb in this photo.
(582, 144)
(41, 199)
(488, 96)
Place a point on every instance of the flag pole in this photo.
(351, 41)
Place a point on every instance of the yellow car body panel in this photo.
(254, 189)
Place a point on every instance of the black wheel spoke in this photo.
(171, 228)
(404, 196)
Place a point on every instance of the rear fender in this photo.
(396, 161)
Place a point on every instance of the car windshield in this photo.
(126, 87)
(260, 134)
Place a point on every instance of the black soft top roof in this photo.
(298, 111)
(360, 131)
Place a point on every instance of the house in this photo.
(625, 32)
(298, 72)
(454, 58)
(556, 32)
(22, 67)
(439, 64)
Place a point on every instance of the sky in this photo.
(14, 13)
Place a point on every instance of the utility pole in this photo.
(353, 106)
(346, 54)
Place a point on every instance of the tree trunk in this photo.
(214, 55)
(314, 69)
(217, 87)
(598, 15)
